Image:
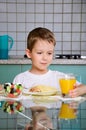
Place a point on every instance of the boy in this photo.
(40, 49)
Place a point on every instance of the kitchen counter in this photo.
(55, 61)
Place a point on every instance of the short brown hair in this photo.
(39, 33)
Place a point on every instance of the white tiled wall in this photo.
(66, 18)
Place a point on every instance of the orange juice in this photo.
(66, 112)
(67, 84)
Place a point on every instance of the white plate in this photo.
(25, 91)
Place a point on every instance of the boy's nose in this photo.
(44, 56)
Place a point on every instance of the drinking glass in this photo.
(67, 82)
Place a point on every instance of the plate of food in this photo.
(41, 90)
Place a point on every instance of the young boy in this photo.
(40, 49)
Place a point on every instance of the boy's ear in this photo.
(28, 53)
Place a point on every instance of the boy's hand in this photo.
(78, 90)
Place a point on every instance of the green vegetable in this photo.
(8, 89)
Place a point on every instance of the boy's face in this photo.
(41, 56)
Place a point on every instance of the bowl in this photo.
(13, 90)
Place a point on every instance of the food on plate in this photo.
(12, 90)
(12, 107)
(42, 88)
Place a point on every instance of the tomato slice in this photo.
(18, 91)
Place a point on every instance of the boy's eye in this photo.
(50, 53)
(39, 52)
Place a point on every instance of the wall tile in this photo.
(67, 19)
(3, 17)
(76, 37)
(49, 18)
(11, 27)
(11, 7)
(21, 17)
(11, 17)
(67, 8)
(3, 7)
(39, 8)
(49, 8)
(20, 27)
(57, 8)
(76, 27)
(58, 27)
(3, 28)
(66, 36)
(76, 18)
(58, 18)
(66, 27)
(77, 8)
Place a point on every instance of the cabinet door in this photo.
(8, 72)
(25, 67)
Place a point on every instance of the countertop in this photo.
(21, 60)
(50, 109)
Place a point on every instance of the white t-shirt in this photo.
(28, 79)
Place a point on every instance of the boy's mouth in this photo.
(43, 63)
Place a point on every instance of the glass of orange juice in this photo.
(67, 82)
